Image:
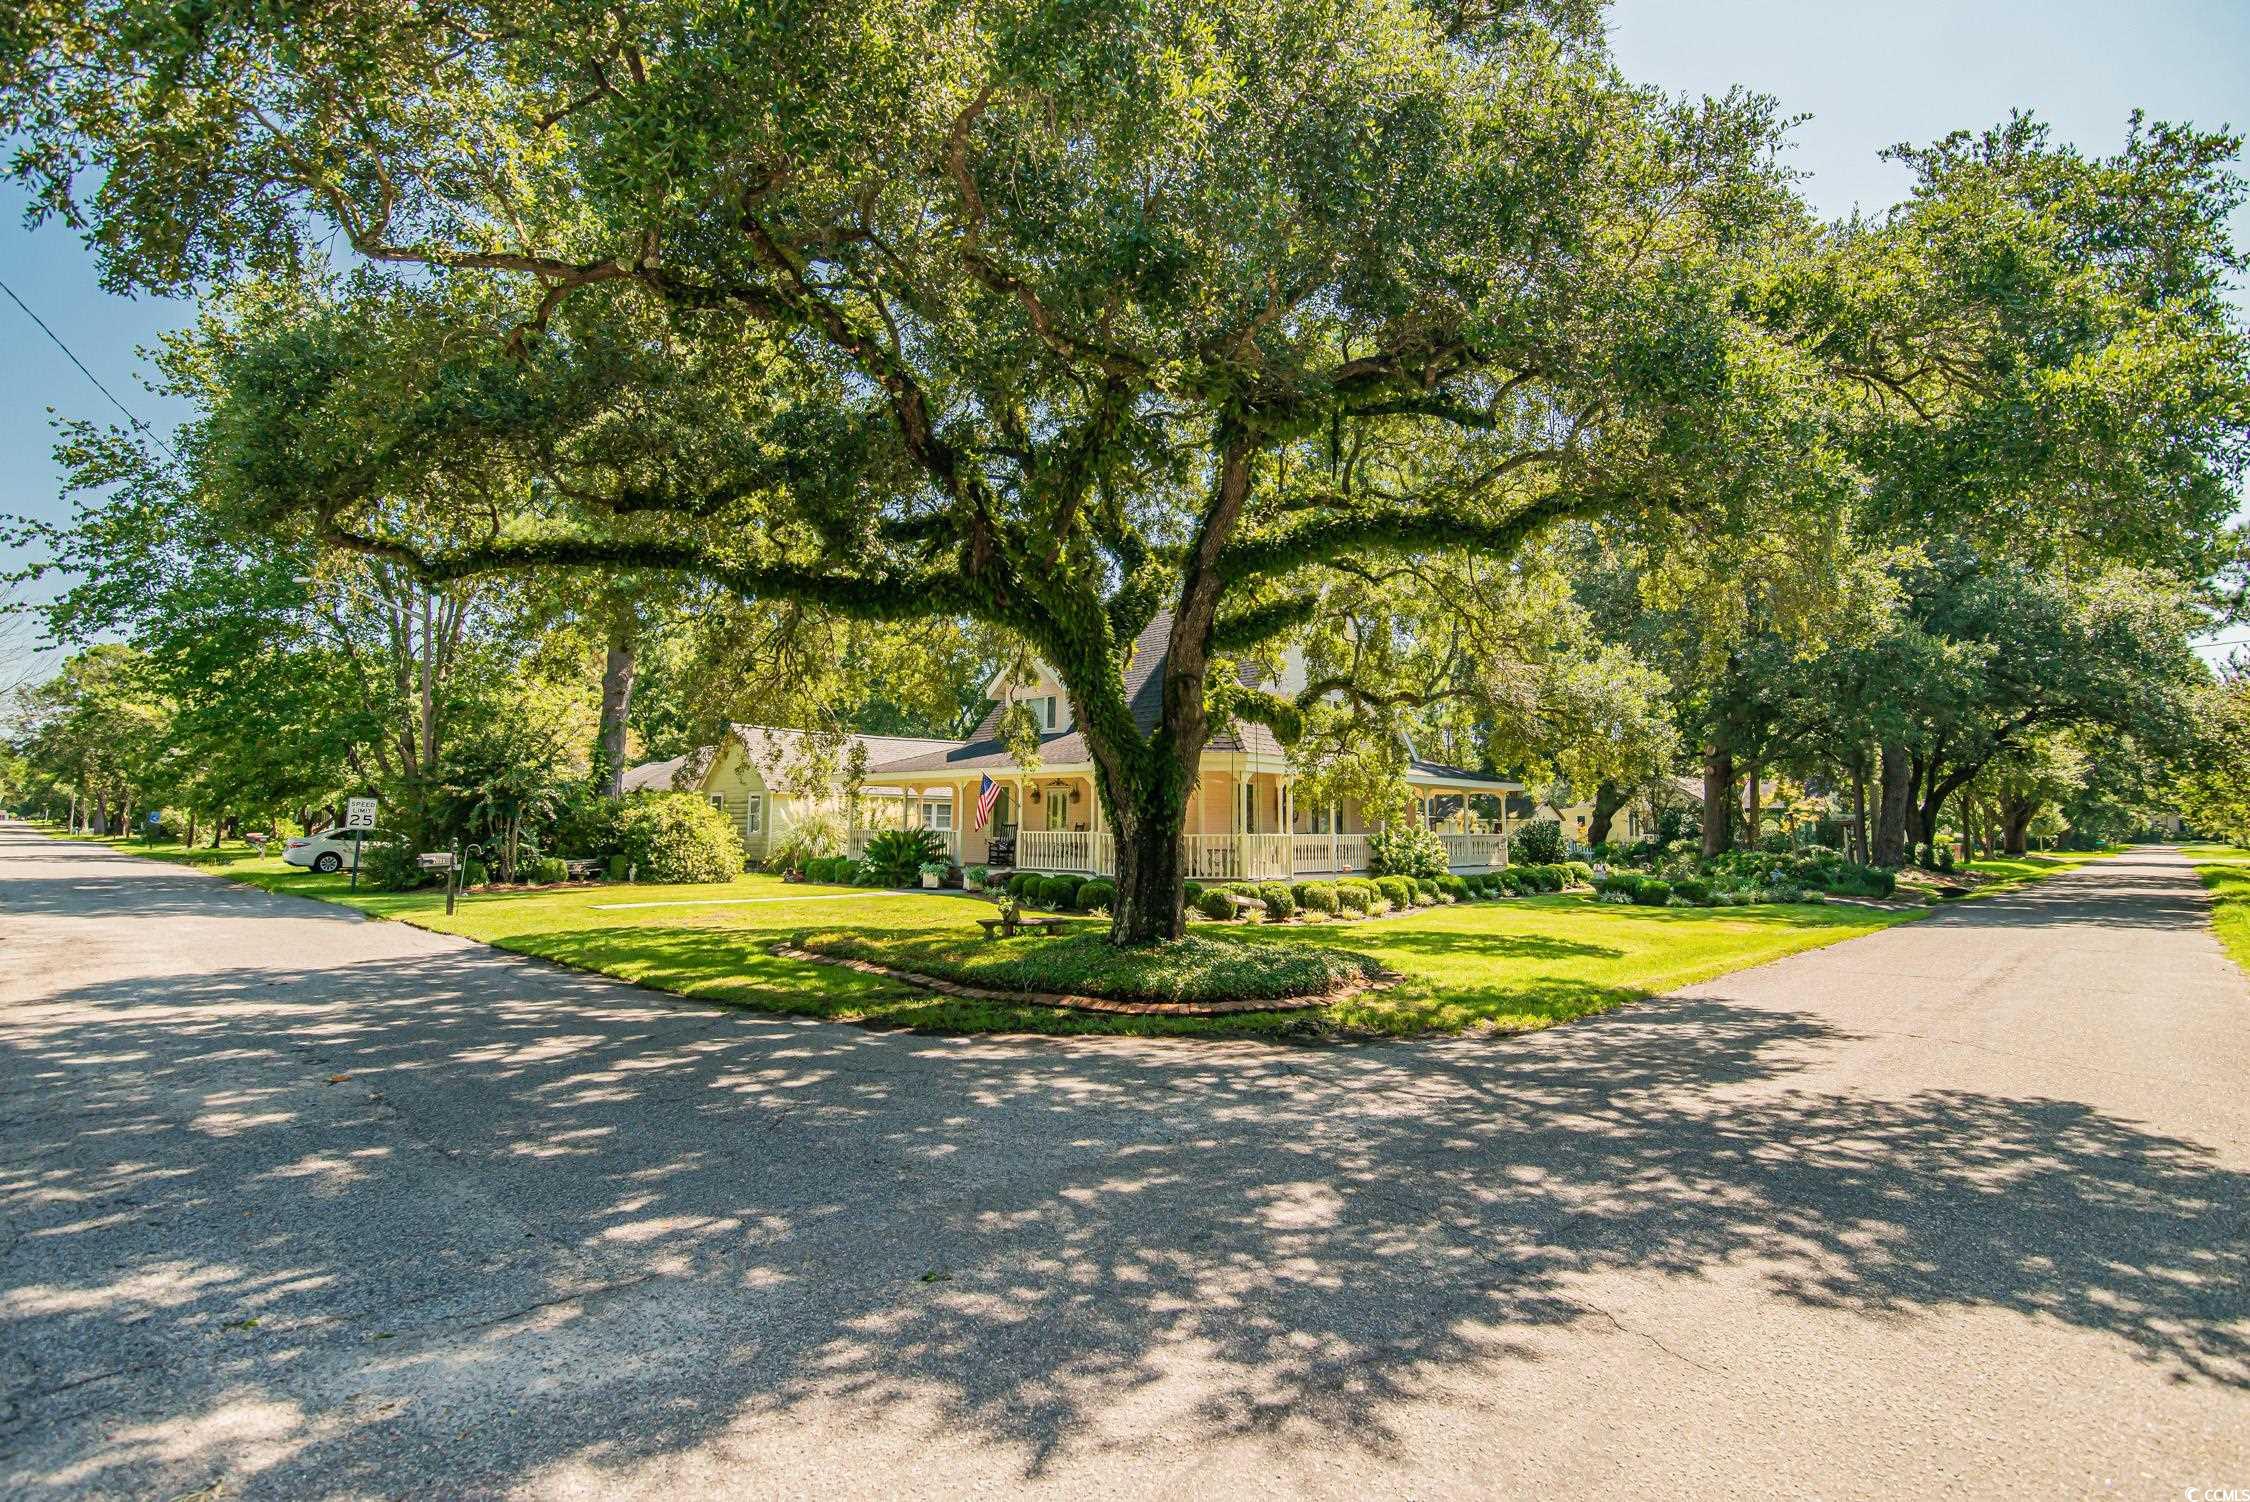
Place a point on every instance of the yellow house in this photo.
(1244, 820)
(757, 775)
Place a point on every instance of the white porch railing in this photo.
(1328, 853)
(856, 845)
(1092, 852)
(1474, 852)
(1239, 857)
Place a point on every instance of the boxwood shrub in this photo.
(1396, 890)
(1058, 894)
(1693, 889)
(474, 874)
(1096, 894)
(1580, 873)
(1355, 896)
(550, 871)
(1652, 893)
(1318, 897)
(1281, 903)
(1454, 887)
(1425, 890)
(1214, 903)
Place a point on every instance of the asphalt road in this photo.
(298, 1205)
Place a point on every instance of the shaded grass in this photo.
(2225, 871)
(2005, 873)
(1505, 966)
(1087, 964)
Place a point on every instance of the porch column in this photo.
(1335, 837)
(1505, 856)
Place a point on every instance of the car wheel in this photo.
(328, 863)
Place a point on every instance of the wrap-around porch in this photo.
(1243, 823)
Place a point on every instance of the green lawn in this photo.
(1504, 966)
(2225, 869)
(2007, 872)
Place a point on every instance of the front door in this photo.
(1058, 809)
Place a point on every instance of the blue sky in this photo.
(1868, 76)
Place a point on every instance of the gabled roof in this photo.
(654, 774)
(1144, 695)
(768, 744)
(1416, 767)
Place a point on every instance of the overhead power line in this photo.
(72, 355)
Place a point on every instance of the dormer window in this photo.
(1047, 711)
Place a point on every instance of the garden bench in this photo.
(1048, 927)
(582, 870)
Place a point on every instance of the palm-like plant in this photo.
(897, 856)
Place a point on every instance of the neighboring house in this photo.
(1244, 820)
(757, 776)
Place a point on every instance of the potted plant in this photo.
(933, 873)
(974, 878)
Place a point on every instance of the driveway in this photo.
(300, 1205)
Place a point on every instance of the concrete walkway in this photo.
(302, 1206)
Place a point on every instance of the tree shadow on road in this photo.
(687, 1222)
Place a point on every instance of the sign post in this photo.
(359, 813)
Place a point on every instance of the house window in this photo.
(938, 815)
(719, 802)
(754, 813)
(1049, 711)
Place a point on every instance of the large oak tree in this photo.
(1062, 314)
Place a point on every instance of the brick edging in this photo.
(1071, 1003)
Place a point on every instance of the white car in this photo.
(331, 849)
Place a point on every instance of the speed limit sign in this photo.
(359, 813)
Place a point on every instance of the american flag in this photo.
(987, 795)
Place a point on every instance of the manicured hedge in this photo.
(1396, 890)
(1454, 887)
(1652, 893)
(1318, 896)
(1356, 896)
(1215, 904)
(550, 871)
(1693, 889)
(1096, 894)
(1058, 894)
(677, 837)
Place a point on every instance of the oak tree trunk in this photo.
(1895, 796)
(1608, 799)
(617, 704)
(1718, 800)
(1147, 908)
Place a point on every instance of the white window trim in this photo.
(937, 814)
(754, 814)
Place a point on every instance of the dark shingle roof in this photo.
(1144, 694)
